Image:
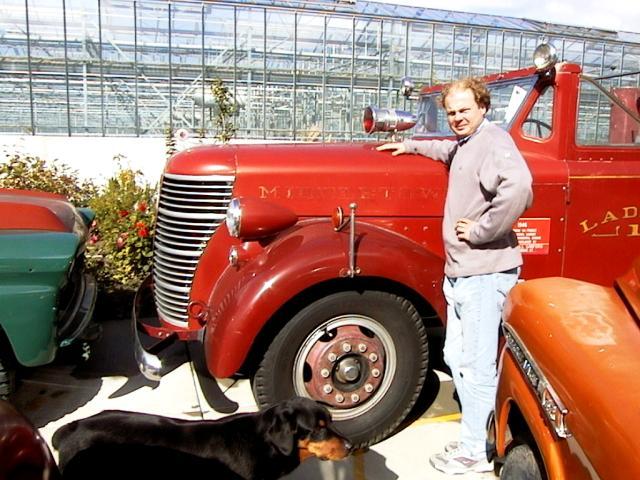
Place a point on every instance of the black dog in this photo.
(264, 445)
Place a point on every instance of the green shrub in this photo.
(28, 172)
(121, 238)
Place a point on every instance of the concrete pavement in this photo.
(56, 394)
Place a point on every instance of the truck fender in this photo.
(546, 443)
(246, 297)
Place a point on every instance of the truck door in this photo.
(603, 220)
(541, 229)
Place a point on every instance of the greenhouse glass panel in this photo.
(249, 119)
(420, 53)
(279, 121)
(529, 44)
(218, 39)
(281, 45)
(478, 47)
(613, 59)
(593, 58)
(118, 68)
(310, 45)
(367, 53)
(442, 54)
(309, 113)
(362, 98)
(337, 114)
(393, 49)
(631, 63)
(461, 52)
(49, 67)
(154, 76)
(573, 50)
(339, 46)
(186, 67)
(14, 69)
(494, 51)
(511, 51)
(84, 63)
(250, 38)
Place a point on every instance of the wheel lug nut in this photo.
(368, 388)
(327, 389)
(346, 347)
(332, 357)
(339, 398)
(355, 398)
(325, 373)
(375, 372)
(362, 348)
(373, 357)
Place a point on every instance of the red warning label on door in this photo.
(533, 235)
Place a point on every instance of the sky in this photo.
(617, 15)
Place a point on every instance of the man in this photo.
(489, 188)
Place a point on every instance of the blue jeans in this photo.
(474, 309)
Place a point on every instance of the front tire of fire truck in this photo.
(362, 354)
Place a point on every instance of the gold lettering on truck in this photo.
(613, 223)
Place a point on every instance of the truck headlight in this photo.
(234, 217)
(251, 218)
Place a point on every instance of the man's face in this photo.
(463, 113)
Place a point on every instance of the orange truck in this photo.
(316, 269)
(569, 391)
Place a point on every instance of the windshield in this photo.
(506, 99)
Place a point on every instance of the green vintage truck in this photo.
(46, 297)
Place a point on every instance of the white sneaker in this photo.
(455, 462)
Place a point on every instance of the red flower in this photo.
(141, 224)
(120, 242)
(93, 239)
(143, 232)
(142, 206)
(123, 213)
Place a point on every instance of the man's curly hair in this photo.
(478, 87)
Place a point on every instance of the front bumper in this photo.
(147, 329)
(77, 317)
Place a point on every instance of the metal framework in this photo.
(299, 70)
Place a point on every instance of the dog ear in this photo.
(279, 429)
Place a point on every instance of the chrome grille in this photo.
(189, 211)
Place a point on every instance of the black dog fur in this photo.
(263, 445)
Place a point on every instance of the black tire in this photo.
(300, 361)
(7, 379)
(522, 464)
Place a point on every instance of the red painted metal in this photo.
(34, 210)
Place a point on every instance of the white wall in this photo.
(92, 157)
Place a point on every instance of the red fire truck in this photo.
(317, 268)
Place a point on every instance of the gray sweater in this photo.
(490, 183)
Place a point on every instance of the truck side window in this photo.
(539, 122)
(601, 121)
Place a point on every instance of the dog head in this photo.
(303, 424)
